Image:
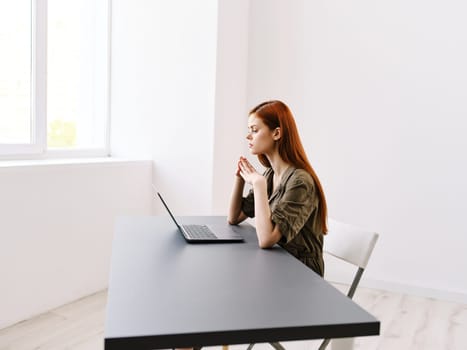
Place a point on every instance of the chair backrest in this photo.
(353, 245)
(349, 243)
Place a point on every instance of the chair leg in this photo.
(324, 344)
(277, 346)
(250, 346)
(225, 347)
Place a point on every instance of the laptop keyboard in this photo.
(199, 231)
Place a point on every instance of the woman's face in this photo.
(260, 137)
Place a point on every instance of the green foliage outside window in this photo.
(61, 134)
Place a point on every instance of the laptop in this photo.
(205, 233)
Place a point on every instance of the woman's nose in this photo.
(248, 136)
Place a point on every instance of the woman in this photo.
(287, 200)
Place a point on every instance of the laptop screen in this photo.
(166, 207)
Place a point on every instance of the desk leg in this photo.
(342, 344)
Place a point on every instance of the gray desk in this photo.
(166, 293)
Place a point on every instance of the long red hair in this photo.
(276, 114)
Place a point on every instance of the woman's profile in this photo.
(287, 200)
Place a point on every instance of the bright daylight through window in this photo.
(15, 72)
(54, 68)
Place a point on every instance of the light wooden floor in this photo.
(407, 322)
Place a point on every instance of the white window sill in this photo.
(66, 161)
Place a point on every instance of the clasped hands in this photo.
(248, 173)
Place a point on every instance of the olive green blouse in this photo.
(294, 207)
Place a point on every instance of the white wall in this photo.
(56, 228)
(163, 94)
(231, 112)
(276, 54)
(382, 116)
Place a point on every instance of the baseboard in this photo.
(338, 272)
(439, 294)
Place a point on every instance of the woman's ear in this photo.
(276, 134)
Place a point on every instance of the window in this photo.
(54, 77)
(15, 72)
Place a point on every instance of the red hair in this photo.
(276, 114)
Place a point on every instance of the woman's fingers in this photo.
(245, 169)
(243, 175)
(238, 165)
(246, 164)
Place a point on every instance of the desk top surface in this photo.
(165, 292)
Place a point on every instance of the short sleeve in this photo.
(294, 207)
(248, 204)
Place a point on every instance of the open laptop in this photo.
(205, 233)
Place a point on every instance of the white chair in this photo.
(354, 246)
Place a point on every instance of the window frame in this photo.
(37, 148)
